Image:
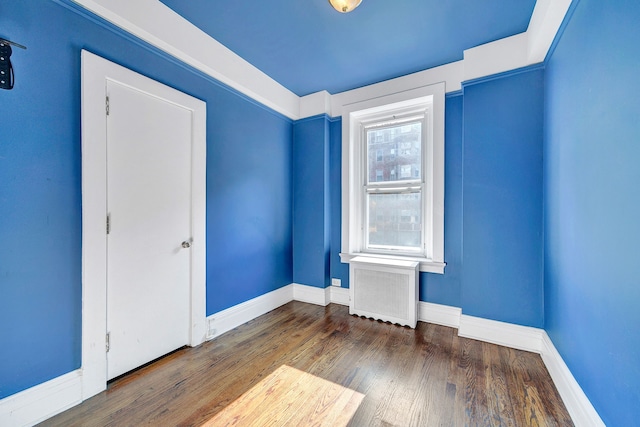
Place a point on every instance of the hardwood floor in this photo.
(423, 377)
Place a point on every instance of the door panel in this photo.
(148, 201)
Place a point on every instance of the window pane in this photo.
(395, 221)
(396, 151)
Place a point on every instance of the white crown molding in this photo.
(451, 74)
(157, 24)
(315, 104)
(544, 25)
(225, 320)
(497, 57)
(500, 56)
(43, 401)
(580, 408)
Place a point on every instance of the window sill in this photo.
(426, 265)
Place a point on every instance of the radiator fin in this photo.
(382, 292)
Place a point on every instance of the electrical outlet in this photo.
(336, 282)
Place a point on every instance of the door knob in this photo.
(186, 244)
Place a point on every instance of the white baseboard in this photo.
(225, 320)
(320, 296)
(501, 333)
(311, 294)
(580, 408)
(43, 401)
(339, 295)
(439, 314)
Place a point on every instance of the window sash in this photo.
(410, 185)
(427, 101)
(409, 227)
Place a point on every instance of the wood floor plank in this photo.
(427, 377)
(423, 377)
(455, 388)
(499, 403)
(475, 391)
(289, 397)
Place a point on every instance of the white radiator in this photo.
(384, 289)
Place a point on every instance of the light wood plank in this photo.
(289, 397)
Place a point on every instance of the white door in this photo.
(148, 203)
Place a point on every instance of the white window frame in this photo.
(427, 100)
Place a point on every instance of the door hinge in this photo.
(108, 223)
(107, 105)
(107, 341)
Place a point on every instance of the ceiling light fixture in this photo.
(344, 6)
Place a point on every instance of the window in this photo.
(393, 205)
(384, 198)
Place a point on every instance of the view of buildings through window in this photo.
(394, 186)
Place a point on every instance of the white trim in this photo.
(225, 320)
(439, 314)
(398, 306)
(315, 104)
(577, 403)
(544, 25)
(43, 401)
(339, 295)
(157, 24)
(501, 333)
(312, 294)
(95, 72)
(426, 265)
(450, 75)
(492, 58)
(353, 172)
(52, 397)
(232, 317)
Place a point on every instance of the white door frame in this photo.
(95, 73)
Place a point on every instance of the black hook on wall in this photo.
(7, 77)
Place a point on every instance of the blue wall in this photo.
(249, 206)
(502, 213)
(337, 269)
(311, 202)
(493, 201)
(505, 172)
(592, 204)
(447, 288)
